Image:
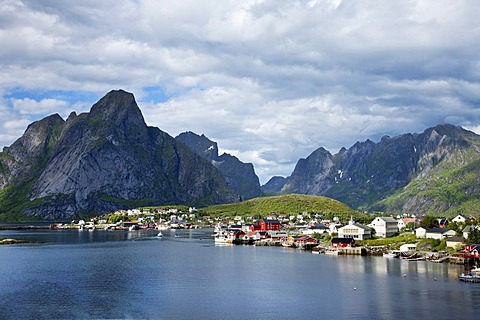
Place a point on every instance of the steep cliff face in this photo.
(388, 175)
(240, 176)
(105, 160)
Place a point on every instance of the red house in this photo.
(266, 224)
(343, 242)
(306, 240)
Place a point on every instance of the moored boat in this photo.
(390, 254)
(331, 251)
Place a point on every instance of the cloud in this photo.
(31, 107)
(271, 81)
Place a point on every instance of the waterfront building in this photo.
(384, 226)
(266, 224)
(343, 242)
(355, 231)
(434, 233)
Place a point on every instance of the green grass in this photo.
(291, 204)
(394, 242)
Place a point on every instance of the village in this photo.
(456, 240)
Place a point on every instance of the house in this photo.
(403, 222)
(455, 242)
(466, 231)
(306, 240)
(274, 234)
(440, 233)
(420, 232)
(343, 242)
(442, 222)
(315, 228)
(460, 219)
(472, 251)
(408, 247)
(384, 226)
(355, 230)
(266, 224)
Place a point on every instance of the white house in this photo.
(355, 231)
(408, 247)
(440, 233)
(420, 232)
(384, 226)
(466, 231)
(460, 219)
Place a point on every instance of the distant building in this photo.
(355, 231)
(343, 242)
(384, 226)
(266, 224)
(434, 233)
(460, 219)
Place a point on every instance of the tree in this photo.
(474, 236)
(429, 222)
(410, 226)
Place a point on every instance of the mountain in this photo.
(432, 172)
(240, 176)
(274, 185)
(102, 161)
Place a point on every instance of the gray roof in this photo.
(388, 219)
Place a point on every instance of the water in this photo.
(134, 275)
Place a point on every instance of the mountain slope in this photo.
(240, 176)
(391, 174)
(101, 161)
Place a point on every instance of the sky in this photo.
(270, 81)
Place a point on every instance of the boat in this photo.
(472, 276)
(223, 238)
(331, 251)
(160, 235)
(288, 244)
(390, 254)
(469, 277)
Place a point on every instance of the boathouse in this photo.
(343, 242)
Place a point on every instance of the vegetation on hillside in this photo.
(447, 191)
(291, 204)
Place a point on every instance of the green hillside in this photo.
(285, 204)
(447, 191)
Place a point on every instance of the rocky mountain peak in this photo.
(118, 107)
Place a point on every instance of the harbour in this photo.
(131, 275)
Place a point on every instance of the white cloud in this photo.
(30, 106)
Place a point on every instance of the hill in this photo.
(291, 204)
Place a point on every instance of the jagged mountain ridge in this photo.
(372, 175)
(102, 161)
(240, 176)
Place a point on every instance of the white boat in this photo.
(331, 251)
(160, 235)
(390, 254)
(223, 237)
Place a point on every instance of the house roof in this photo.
(271, 221)
(456, 239)
(361, 226)
(439, 230)
(468, 228)
(343, 240)
(388, 219)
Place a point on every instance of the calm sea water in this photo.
(134, 275)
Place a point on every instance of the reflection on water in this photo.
(118, 274)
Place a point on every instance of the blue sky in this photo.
(270, 81)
